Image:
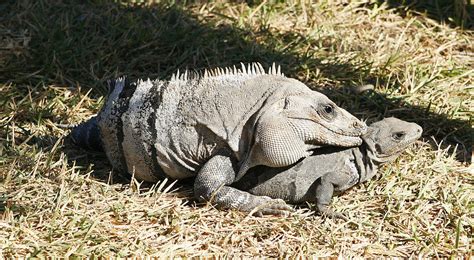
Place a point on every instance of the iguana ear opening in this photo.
(287, 103)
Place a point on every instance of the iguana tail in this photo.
(87, 135)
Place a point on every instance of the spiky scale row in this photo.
(252, 69)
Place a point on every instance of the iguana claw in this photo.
(334, 215)
(277, 207)
(326, 211)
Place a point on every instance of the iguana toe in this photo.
(334, 215)
(277, 207)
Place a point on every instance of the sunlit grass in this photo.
(59, 200)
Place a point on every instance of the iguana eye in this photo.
(328, 109)
(398, 136)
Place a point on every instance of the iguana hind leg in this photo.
(211, 185)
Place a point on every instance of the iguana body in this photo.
(315, 178)
(215, 127)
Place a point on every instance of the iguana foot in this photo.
(335, 215)
(327, 212)
(211, 184)
(269, 206)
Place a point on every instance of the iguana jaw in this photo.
(358, 130)
(323, 133)
(327, 136)
(337, 137)
(396, 150)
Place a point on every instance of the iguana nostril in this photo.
(357, 125)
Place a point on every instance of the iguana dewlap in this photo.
(215, 127)
(315, 178)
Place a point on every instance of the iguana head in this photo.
(322, 122)
(388, 138)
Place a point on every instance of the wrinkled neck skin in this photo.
(365, 165)
(368, 161)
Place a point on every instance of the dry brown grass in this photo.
(58, 200)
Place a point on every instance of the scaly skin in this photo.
(316, 178)
(215, 127)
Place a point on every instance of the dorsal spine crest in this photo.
(251, 69)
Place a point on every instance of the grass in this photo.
(58, 200)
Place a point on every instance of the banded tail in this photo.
(87, 135)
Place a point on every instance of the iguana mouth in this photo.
(396, 149)
(340, 132)
(332, 130)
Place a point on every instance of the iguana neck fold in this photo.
(366, 162)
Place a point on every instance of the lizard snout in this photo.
(418, 131)
(360, 126)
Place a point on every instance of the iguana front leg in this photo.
(324, 193)
(212, 182)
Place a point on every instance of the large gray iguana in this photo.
(214, 127)
(315, 178)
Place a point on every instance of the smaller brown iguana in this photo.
(330, 169)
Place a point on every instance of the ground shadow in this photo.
(456, 13)
(84, 44)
